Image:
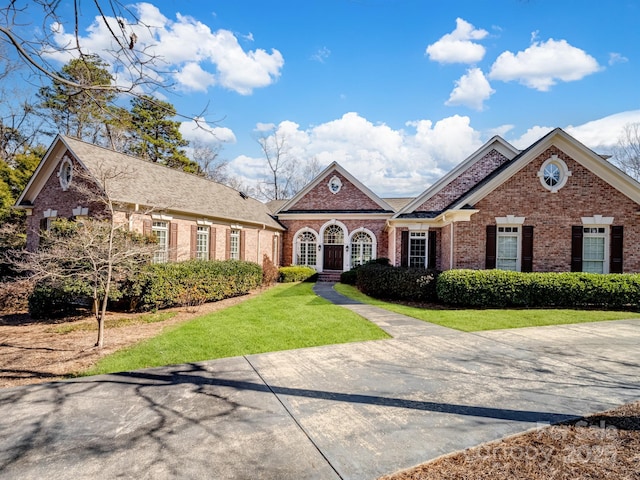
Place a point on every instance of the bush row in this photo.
(499, 288)
(156, 286)
(193, 282)
(381, 280)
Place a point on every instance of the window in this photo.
(593, 249)
(306, 247)
(553, 174)
(507, 254)
(361, 248)
(161, 232)
(234, 245)
(202, 243)
(334, 235)
(418, 249)
(65, 174)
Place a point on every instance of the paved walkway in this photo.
(353, 411)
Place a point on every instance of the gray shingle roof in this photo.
(149, 184)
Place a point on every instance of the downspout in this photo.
(451, 247)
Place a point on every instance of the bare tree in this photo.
(98, 252)
(627, 154)
(281, 168)
(208, 157)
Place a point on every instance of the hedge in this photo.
(396, 283)
(500, 288)
(163, 285)
(297, 273)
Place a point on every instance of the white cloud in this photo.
(457, 46)
(198, 57)
(617, 58)
(544, 63)
(529, 137)
(389, 161)
(471, 90)
(199, 130)
(321, 55)
(603, 134)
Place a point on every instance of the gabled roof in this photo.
(149, 184)
(334, 166)
(569, 145)
(495, 143)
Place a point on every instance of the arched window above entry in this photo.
(333, 235)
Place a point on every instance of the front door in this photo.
(333, 257)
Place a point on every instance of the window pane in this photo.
(160, 230)
(361, 248)
(333, 235)
(306, 247)
(417, 252)
(234, 247)
(202, 243)
(507, 254)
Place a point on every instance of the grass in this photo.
(472, 320)
(286, 316)
(113, 323)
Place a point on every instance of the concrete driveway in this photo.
(354, 411)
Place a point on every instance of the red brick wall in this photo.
(376, 226)
(551, 215)
(53, 197)
(463, 182)
(348, 198)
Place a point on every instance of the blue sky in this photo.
(397, 91)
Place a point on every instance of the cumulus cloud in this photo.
(602, 135)
(458, 46)
(543, 64)
(199, 130)
(198, 57)
(471, 90)
(392, 162)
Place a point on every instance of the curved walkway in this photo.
(352, 411)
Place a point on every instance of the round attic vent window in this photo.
(65, 174)
(335, 184)
(553, 174)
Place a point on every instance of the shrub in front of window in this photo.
(498, 288)
(164, 285)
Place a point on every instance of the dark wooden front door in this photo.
(333, 257)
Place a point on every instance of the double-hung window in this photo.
(508, 248)
(202, 243)
(594, 246)
(234, 245)
(306, 249)
(418, 249)
(161, 232)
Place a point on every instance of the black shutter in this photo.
(490, 255)
(527, 249)
(404, 248)
(576, 248)
(616, 249)
(431, 261)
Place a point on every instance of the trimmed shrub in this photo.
(270, 273)
(396, 283)
(58, 299)
(499, 288)
(349, 277)
(297, 273)
(14, 295)
(163, 285)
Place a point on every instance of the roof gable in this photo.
(352, 195)
(491, 156)
(570, 146)
(149, 184)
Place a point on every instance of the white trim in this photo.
(565, 173)
(48, 213)
(65, 182)
(161, 217)
(311, 216)
(345, 231)
(606, 236)
(204, 222)
(295, 246)
(495, 143)
(510, 220)
(80, 211)
(374, 245)
(335, 184)
(596, 220)
(518, 236)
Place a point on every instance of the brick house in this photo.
(192, 217)
(555, 206)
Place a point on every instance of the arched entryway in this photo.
(333, 247)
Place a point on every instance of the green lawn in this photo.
(286, 316)
(471, 320)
